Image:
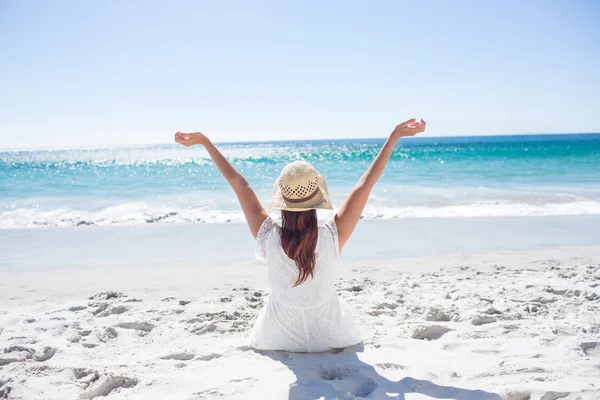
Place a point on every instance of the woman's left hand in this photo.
(190, 139)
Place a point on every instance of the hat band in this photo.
(302, 200)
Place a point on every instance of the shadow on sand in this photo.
(340, 374)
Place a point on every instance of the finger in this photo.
(407, 122)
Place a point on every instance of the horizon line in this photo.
(106, 146)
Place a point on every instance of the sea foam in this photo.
(140, 213)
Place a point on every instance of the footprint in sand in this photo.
(105, 384)
(132, 301)
(202, 328)
(20, 353)
(483, 319)
(559, 292)
(82, 334)
(432, 332)
(385, 305)
(492, 311)
(107, 334)
(5, 389)
(100, 307)
(223, 321)
(517, 396)
(351, 381)
(179, 356)
(46, 354)
(591, 296)
(101, 304)
(85, 332)
(438, 315)
(354, 289)
(554, 395)
(255, 299)
(376, 313)
(207, 357)
(591, 348)
(85, 376)
(41, 370)
(389, 366)
(140, 326)
(108, 295)
(111, 310)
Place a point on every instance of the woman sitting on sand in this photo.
(303, 312)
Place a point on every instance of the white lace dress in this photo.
(309, 317)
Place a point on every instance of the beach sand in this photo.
(493, 325)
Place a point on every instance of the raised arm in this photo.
(253, 210)
(348, 215)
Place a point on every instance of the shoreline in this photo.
(171, 246)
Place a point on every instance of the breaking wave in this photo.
(140, 213)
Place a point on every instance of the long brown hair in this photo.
(299, 240)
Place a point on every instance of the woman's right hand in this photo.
(190, 139)
(409, 128)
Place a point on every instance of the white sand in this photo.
(511, 325)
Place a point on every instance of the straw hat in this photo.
(300, 187)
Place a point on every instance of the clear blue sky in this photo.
(117, 72)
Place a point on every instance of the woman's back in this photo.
(283, 272)
(308, 317)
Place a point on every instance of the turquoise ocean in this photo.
(450, 177)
